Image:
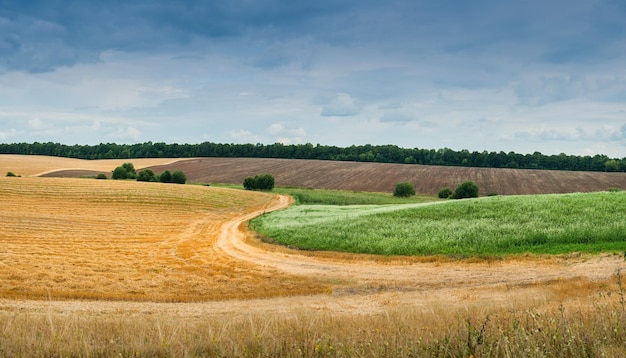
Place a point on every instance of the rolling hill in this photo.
(381, 177)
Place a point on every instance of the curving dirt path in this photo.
(363, 270)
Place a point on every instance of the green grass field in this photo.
(493, 226)
(304, 196)
(344, 197)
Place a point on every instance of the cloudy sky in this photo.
(521, 76)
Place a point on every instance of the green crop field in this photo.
(493, 226)
(346, 197)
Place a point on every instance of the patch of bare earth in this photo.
(382, 177)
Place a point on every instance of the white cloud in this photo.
(242, 136)
(7, 134)
(284, 135)
(37, 124)
(342, 105)
(275, 128)
(127, 133)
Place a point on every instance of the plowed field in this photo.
(381, 177)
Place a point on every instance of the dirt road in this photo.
(400, 272)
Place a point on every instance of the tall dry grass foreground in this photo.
(126, 240)
(591, 325)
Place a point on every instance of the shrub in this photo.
(165, 177)
(125, 171)
(404, 190)
(130, 169)
(259, 182)
(249, 183)
(101, 176)
(179, 177)
(119, 173)
(444, 193)
(266, 182)
(146, 175)
(467, 189)
(11, 174)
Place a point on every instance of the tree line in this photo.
(357, 153)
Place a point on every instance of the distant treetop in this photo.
(360, 153)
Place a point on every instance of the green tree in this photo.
(130, 169)
(467, 189)
(259, 182)
(119, 173)
(124, 171)
(249, 183)
(404, 190)
(165, 177)
(444, 193)
(179, 177)
(11, 174)
(101, 176)
(146, 175)
(265, 182)
(612, 165)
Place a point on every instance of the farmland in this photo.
(31, 165)
(87, 239)
(380, 177)
(109, 268)
(555, 224)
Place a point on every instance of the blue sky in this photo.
(521, 76)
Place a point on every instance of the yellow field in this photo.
(30, 165)
(79, 238)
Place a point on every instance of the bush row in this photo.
(127, 171)
(467, 189)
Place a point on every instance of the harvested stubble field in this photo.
(103, 268)
(78, 238)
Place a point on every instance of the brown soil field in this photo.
(380, 177)
(145, 252)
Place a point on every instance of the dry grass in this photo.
(91, 239)
(590, 321)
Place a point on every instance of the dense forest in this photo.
(360, 153)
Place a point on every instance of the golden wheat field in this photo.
(78, 238)
(123, 268)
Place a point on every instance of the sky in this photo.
(495, 75)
